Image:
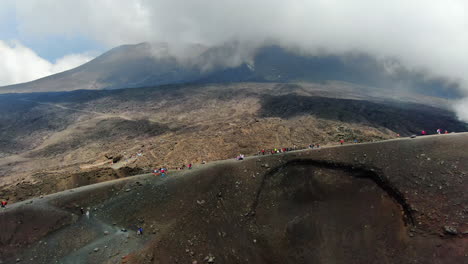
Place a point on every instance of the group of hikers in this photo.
(162, 171)
(438, 131)
(276, 150)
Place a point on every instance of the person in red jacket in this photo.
(190, 166)
(341, 141)
(4, 203)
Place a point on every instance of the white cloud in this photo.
(21, 64)
(461, 107)
(421, 34)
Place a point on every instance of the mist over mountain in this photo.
(147, 64)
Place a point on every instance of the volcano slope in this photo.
(398, 201)
(51, 142)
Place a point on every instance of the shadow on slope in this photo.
(105, 131)
(403, 118)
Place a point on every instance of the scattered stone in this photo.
(202, 202)
(450, 230)
(123, 230)
(127, 190)
(96, 249)
(265, 165)
(106, 233)
(18, 260)
(210, 259)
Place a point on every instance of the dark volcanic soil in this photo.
(399, 201)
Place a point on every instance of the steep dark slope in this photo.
(400, 201)
(124, 66)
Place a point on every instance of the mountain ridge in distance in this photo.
(144, 64)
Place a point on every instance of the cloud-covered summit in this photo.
(428, 36)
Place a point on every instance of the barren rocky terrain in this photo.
(397, 201)
(55, 141)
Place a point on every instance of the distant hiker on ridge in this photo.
(423, 132)
(341, 141)
(4, 203)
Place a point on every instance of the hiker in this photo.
(438, 131)
(341, 141)
(82, 211)
(4, 203)
(263, 152)
(317, 145)
(140, 231)
(446, 132)
(163, 172)
(87, 214)
(423, 132)
(190, 166)
(355, 141)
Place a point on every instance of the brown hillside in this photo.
(55, 141)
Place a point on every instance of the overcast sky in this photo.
(41, 37)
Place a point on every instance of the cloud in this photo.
(21, 64)
(461, 108)
(429, 36)
(419, 33)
